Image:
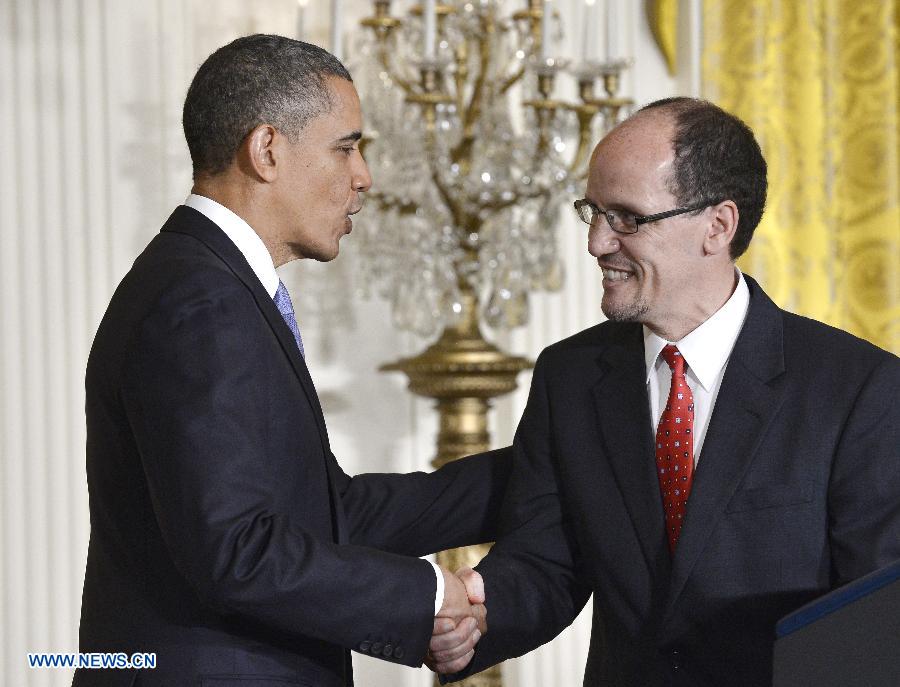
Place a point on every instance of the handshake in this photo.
(460, 623)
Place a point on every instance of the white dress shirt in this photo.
(242, 236)
(260, 260)
(705, 351)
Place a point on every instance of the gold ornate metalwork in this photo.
(462, 371)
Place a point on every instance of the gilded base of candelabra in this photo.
(462, 372)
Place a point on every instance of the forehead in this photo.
(343, 94)
(345, 115)
(634, 161)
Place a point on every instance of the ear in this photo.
(259, 152)
(723, 223)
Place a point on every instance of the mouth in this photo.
(614, 275)
(348, 222)
(356, 204)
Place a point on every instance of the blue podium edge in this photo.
(837, 599)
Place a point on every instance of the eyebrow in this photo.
(618, 207)
(352, 137)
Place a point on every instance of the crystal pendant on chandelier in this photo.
(472, 158)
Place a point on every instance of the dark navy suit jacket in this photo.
(224, 535)
(797, 491)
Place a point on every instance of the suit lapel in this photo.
(623, 417)
(747, 401)
(188, 221)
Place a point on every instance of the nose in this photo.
(602, 240)
(361, 179)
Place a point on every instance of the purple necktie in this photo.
(286, 308)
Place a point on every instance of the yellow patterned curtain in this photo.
(819, 82)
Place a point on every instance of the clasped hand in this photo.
(460, 623)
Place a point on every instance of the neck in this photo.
(713, 294)
(242, 201)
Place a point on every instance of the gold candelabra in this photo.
(462, 210)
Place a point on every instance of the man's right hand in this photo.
(460, 623)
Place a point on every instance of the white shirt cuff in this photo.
(439, 592)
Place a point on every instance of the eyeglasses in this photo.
(624, 222)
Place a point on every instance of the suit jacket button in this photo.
(388, 650)
(376, 648)
(364, 646)
(398, 652)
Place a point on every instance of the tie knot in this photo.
(283, 300)
(672, 356)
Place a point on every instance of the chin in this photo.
(325, 256)
(319, 253)
(624, 312)
(329, 253)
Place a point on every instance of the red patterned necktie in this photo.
(675, 447)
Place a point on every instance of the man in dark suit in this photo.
(704, 462)
(225, 538)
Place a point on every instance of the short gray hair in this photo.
(258, 79)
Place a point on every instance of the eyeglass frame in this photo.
(638, 219)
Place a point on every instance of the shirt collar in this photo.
(244, 238)
(707, 348)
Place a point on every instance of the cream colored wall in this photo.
(90, 101)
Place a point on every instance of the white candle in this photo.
(612, 28)
(588, 29)
(336, 29)
(545, 29)
(430, 18)
(301, 10)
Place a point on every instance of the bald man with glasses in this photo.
(703, 462)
